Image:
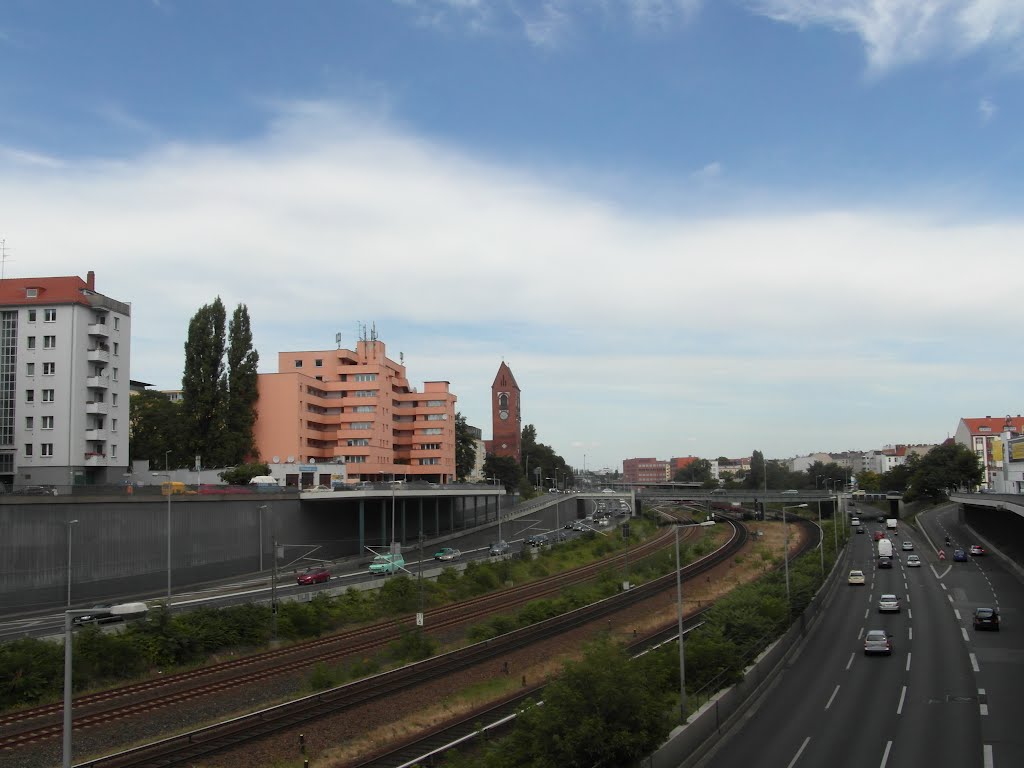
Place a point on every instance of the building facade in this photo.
(646, 470)
(64, 383)
(979, 434)
(506, 416)
(355, 407)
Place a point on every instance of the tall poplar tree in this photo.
(204, 385)
(240, 415)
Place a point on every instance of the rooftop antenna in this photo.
(337, 339)
(3, 257)
(401, 358)
(373, 331)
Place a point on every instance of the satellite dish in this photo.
(291, 459)
(277, 459)
(312, 459)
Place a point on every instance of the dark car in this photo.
(959, 555)
(37, 490)
(499, 548)
(536, 540)
(885, 562)
(314, 576)
(986, 618)
(860, 529)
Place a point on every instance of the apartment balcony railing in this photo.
(98, 355)
(91, 406)
(95, 459)
(98, 329)
(96, 434)
(97, 382)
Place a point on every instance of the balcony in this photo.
(97, 382)
(91, 406)
(96, 434)
(98, 329)
(98, 355)
(95, 460)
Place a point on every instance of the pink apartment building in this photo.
(357, 408)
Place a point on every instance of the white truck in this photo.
(891, 523)
(884, 548)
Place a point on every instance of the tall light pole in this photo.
(261, 510)
(821, 544)
(170, 492)
(70, 523)
(682, 655)
(785, 533)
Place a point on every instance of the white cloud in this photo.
(709, 172)
(15, 156)
(731, 327)
(898, 32)
(987, 109)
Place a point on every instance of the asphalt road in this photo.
(944, 697)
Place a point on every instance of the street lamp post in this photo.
(262, 509)
(821, 544)
(170, 492)
(679, 612)
(785, 533)
(70, 523)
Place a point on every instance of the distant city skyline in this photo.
(688, 227)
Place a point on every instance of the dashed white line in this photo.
(984, 709)
(850, 662)
(950, 598)
(830, 698)
(987, 756)
(861, 633)
(942, 585)
(910, 633)
(867, 612)
(974, 662)
(966, 638)
(910, 615)
(956, 612)
(798, 753)
(885, 756)
(903, 695)
(908, 662)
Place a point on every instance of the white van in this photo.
(884, 548)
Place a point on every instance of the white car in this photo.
(907, 545)
(854, 521)
(888, 603)
(913, 561)
(856, 577)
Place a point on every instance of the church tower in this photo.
(506, 417)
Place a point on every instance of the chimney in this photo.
(90, 280)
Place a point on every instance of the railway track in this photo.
(19, 729)
(188, 747)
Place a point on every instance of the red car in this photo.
(314, 576)
(879, 535)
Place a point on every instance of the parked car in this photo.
(447, 554)
(878, 641)
(314, 576)
(888, 604)
(986, 618)
(37, 490)
(959, 556)
(913, 561)
(977, 549)
(856, 577)
(499, 548)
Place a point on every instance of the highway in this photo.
(945, 697)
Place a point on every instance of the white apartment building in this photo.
(64, 383)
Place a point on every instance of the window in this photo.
(114, 375)
(433, 431)
(364, 409)
(49, 342)
(31, 315)
(365, 393)
(358, 441)
(113, 399)
(355, 459)
(28, 422)
(46, 449)
(318, 363)
(115, 349)
(361, 425)
(28, 449)
(46, 422)
(113, 425)
(31, 293)
(49, 369)
(30, 342)
(30, 369)
(366, 377)
(30, 395)
(298, 363)
(435, 403)
(47, 395)
(117, 323)
(430, 461)
(49, 315)
(430, 447)
(113, 451)
(437, 417)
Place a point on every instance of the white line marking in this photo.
(943, 574)
(885, 757)
(861, 633)
(867, 612)
(850, 662)
(984, 709)
(903, 695)
(987, 756)
(956, 613)
(909, 614)
(910, 633)
(950, 598)
(798, 753)
(966, 638)
(974, 662)
(942, 585)
(830, 698)
(908, 662)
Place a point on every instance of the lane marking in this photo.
(987, 756)
(974, 662)
(950, 598)
(860, 634)
(867, 612)
(885, 756)
(943, 574)
(908, 662)
(966, 638)
(850, 662)
(942, 585)
(910, 633)
(830, 698)
(903, 695)
(798, 753)
(956, 612)
(910, 614)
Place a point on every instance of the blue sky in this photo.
(690, 227)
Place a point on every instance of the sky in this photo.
(690, 227)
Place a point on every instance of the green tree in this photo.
(155, 428)
(697, 471)
(465, 448)
(241, 474)
(872, 481)
(602, 711)
(897, 478)
(204, 385)
(942, 469)
(240, 409)
(504, 468)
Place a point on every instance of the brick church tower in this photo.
(506, 418)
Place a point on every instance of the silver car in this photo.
(878, 641)
(888, 604)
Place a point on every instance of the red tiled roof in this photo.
(51, 290)
(995, 425)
